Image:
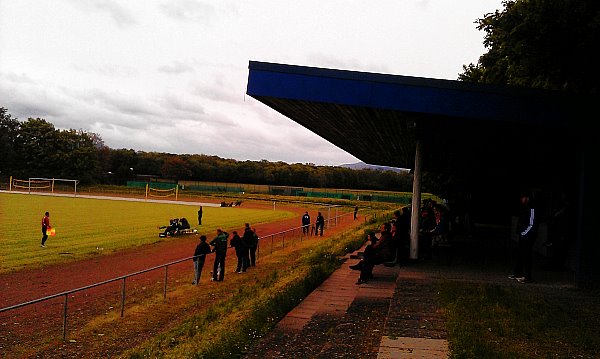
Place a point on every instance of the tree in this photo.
(176, 168)
(75, 156)
(548, 44)
(36, 143)
(9, 155)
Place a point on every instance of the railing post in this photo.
(272, 243)
(65, 318)
(165, 286)
(123, 298)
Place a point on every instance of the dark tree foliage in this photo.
(34, 148)
(9, 154)
(547, 44)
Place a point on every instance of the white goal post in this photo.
(161, 193)
(41, 184)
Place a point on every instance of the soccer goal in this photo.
(52, 185)
(162, 193)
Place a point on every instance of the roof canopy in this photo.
(463, 126)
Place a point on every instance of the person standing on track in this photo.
(45, 227)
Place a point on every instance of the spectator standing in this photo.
(247, 239)
(45, 227)
(200, 216)
(526, 230)
(237, 243)
(305, 223)
(202, 249)
(355, 211)
(219, 244)
(253, 247)
(319, 224)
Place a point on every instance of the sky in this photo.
(170, 76)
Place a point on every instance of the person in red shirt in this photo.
(45, 226)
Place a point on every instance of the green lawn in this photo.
(88, 227)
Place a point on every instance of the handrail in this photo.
(16, 306)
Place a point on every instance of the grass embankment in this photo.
(491, 321)
(88, 227)
(228, 327)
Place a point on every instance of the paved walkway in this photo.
(406, 334)
(395, 315)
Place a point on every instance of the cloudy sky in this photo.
(171, 75)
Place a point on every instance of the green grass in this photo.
(88, 227)
(490, 321)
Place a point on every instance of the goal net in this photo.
(162, 193)
(49, 185)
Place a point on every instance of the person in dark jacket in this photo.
(240, 251)
(527, 233)
(381, 252)
(219, 244)
(202, 249)
(184, 224)
(305, 223)
(253, 247)
(247, 239)
(319, 224)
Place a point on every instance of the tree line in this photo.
(35, 148)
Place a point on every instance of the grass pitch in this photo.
(87, 227)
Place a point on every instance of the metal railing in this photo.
(292, 234)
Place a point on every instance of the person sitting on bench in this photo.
(171, 229)
(380, 252)
(184, 224)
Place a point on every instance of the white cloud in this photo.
(189, 10)
(113, 9)
(171, 76)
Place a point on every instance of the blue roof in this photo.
(378, 117)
